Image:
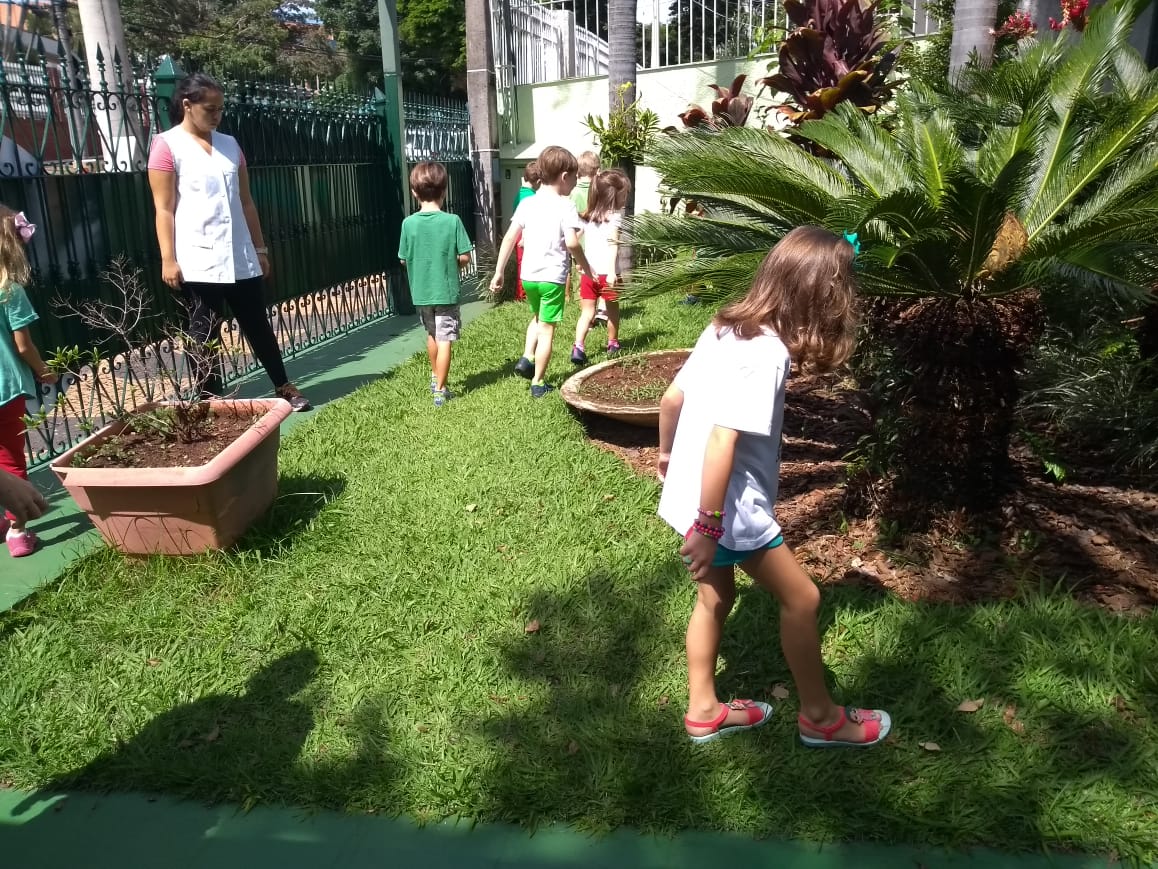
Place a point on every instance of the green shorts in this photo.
(545, 299)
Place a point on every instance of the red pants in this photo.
(520, 294)
(12, 428)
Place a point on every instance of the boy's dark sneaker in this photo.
(578, 357)
(525, 368)
(538, 390)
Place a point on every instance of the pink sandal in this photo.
(758, 714)
(877, 725)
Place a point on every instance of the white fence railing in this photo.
(550, 40)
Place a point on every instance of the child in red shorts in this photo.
(601, 226)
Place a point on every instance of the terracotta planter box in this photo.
(644, 414)
(182, 511)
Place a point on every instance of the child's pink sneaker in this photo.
(22, 544)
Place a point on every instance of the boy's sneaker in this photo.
(525, 368)
(20, 545)
(613, 349)
(578, 355)
(442, 396)
(538, 390)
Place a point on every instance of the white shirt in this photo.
(211, 237)
(740, 385)
(597, 244)
(545, 219)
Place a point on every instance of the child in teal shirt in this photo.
(21, 367)
(434, 247)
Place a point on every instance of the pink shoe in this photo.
(22, 544)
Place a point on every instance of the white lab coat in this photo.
(212, 239)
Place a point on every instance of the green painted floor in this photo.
(137, 832)
(51, 831)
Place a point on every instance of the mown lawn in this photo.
(373, 647)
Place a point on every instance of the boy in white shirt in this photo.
(548, 225)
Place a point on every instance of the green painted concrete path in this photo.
(130, 831)
(137, 832)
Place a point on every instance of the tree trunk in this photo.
(482, 99)
(946, 426)
(973, 23)
(621, 80)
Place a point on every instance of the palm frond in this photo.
(869, 152)
(720, 277)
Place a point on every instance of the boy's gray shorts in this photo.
(442, 322)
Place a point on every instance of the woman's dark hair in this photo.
(193, 88)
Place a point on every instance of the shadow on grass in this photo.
(1043, 764)
(213, 748)
(300, 500)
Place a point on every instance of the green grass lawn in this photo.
(367, 648)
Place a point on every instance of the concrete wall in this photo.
(552, 114)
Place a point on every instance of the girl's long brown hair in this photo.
(804, 291)
(607, 195)
(14, 267)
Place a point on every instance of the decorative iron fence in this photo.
(438, 129)
(73, 147)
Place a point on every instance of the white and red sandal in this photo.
(758, 714)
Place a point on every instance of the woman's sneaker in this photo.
(294, 396)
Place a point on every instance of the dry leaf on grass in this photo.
(1010, 718)
(930, 746)
(153, 662)
(573, 747)
(971, 705)
(470, 508)
(663, 701)
(423, 728)
(780, 691)
(609, 497)
(532, 627)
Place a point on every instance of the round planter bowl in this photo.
(645, 415)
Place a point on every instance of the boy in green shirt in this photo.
(434, 247)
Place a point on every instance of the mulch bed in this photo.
(1095, 537)
(150, 450)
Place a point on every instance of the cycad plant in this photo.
(1036, 183)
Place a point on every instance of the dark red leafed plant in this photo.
(730, 108)
(833, 56)
(1015, 28)
(1073, 15)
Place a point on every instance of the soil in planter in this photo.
(1094, 536)
(641, 380)
(152, 450)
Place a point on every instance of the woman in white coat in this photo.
(212, 247)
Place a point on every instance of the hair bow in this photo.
(25, 228)
(851, 238)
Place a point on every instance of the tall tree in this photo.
(973, 24)
(621, 69)
(230, 37)
(432, 34)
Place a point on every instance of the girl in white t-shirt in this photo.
(601, 225)
(720, 425)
